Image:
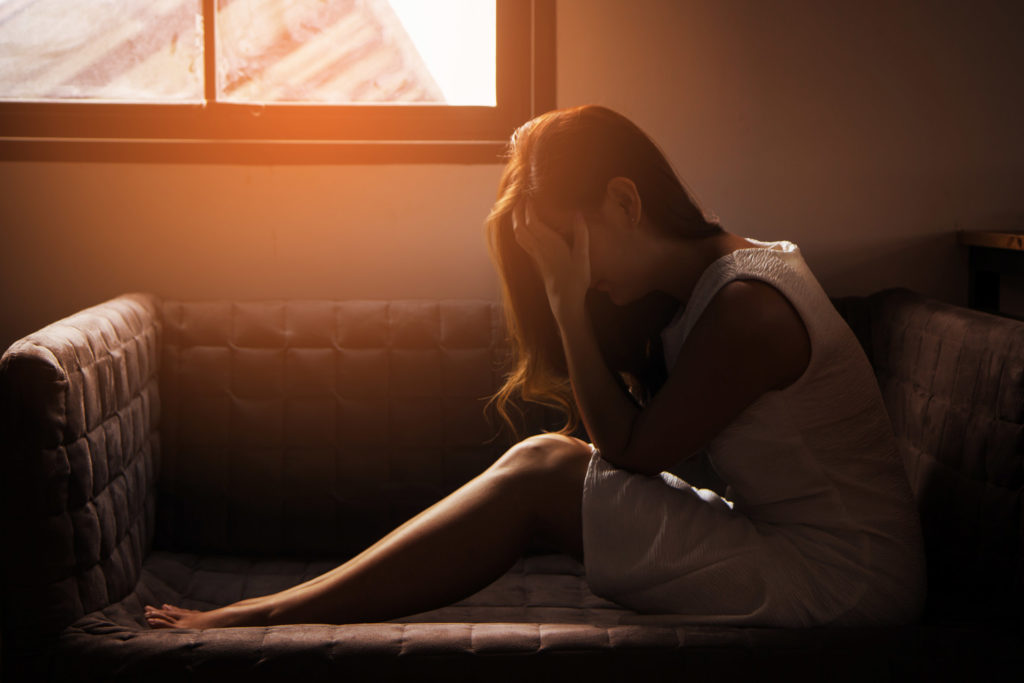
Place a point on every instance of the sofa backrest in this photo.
(314, 427)
(953, 383)
(79, 450)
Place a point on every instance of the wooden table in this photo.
(992, 254)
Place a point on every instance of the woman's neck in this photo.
(679, 263)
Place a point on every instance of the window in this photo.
(288, 81)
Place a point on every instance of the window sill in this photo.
(253, 152)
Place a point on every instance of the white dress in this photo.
(820, 526)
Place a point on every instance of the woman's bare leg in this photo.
(447, 552)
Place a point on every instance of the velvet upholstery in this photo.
(953, 384)
(81, 412)
(314, 427)
(201, 452)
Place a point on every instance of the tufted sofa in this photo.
(201, 452)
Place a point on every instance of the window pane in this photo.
(356, 51)
(134, 50)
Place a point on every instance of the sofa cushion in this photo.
(314, 427)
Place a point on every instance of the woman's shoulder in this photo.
(764, 323)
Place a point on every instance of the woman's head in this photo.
(565, 161)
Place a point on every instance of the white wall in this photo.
(863, 132)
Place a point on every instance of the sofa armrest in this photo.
(79, 406)
(953, 384)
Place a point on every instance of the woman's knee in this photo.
(546, 473)
(546, 455)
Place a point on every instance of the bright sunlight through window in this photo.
(267, 51)
(456, 40)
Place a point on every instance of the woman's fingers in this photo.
(542, 231)
(550, 251)
(158, 620)
(580, 234)
(530, 233)
(542, 239)
(564, 268)
(524, 236)
(581, 245)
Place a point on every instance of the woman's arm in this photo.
(748, 341)
(606, 409)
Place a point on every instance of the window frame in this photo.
(226, 132)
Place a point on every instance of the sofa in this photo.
(200, 452)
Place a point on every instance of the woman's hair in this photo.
(563, 160)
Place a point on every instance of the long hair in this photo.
(564, 159)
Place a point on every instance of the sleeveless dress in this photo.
(820, 526)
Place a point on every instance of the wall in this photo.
(865, 132)
(76, 234)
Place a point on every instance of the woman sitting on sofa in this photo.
(749, 362)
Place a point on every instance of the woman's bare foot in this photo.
(245, 613)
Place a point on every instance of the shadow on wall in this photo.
(1007, 221)
(933, 264)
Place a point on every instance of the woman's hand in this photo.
(564, 268)
(607, 411)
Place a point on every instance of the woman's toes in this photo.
(160, 621)
(174, 609)
(161, 617)
(172, 616)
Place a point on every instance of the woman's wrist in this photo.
(571, 317)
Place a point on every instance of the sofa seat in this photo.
(540, 618)
(542, 607)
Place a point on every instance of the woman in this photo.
(747, 360)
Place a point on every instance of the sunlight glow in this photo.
(456, 39)
(308, 51)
